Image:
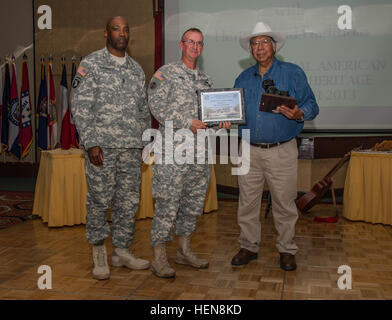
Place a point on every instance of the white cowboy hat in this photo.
(262, 29)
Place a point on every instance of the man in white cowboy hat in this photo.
(273, 147)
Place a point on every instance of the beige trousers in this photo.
(278, 167)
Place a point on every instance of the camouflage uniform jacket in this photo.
(109, 102)
(172, 94)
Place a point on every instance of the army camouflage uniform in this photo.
(110, 111)
(179, 189)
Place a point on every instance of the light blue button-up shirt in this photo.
(270, 127)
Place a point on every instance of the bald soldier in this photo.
(110, 111)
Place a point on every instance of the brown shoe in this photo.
(287, 262)
(243, 257)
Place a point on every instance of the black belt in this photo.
(268, 145)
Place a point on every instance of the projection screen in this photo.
(345, 49)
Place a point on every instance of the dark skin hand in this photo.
(295, 113)
(95, 156)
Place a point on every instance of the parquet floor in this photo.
(366, 248)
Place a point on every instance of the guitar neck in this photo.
(338, 165)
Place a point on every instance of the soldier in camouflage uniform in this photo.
(179, 189)
(110, 112)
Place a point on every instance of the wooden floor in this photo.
(366, 248)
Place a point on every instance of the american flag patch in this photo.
(159, 75)
(82, 71)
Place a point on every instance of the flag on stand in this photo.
(14, 118)
(73, 72)
(65, 116)
(52, 111)
(74, 132)
(26, 132)
(1, 95)
(42, 111)
(5, 108)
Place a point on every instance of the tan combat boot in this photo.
(101, 269)
(186, 256)
(124, 258)
(160, 266)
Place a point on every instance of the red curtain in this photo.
(158, 18)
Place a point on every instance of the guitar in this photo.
(311, 198)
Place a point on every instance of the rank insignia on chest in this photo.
(153, 85)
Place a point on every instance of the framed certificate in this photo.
(216, 105)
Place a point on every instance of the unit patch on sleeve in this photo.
(76, 82)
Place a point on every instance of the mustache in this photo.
(121, 40)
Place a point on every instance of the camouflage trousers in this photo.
(179, 192)
(116, 183)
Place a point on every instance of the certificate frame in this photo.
(217, 105)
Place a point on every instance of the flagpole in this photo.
(25, 116)
(38, 111)
(31, 113)
(13, 66)
(4, 119)
(48, 88)
(1, 94)
(20, 107)
(2, 147)
(60, 119)
(14, 118)
(34, 108)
